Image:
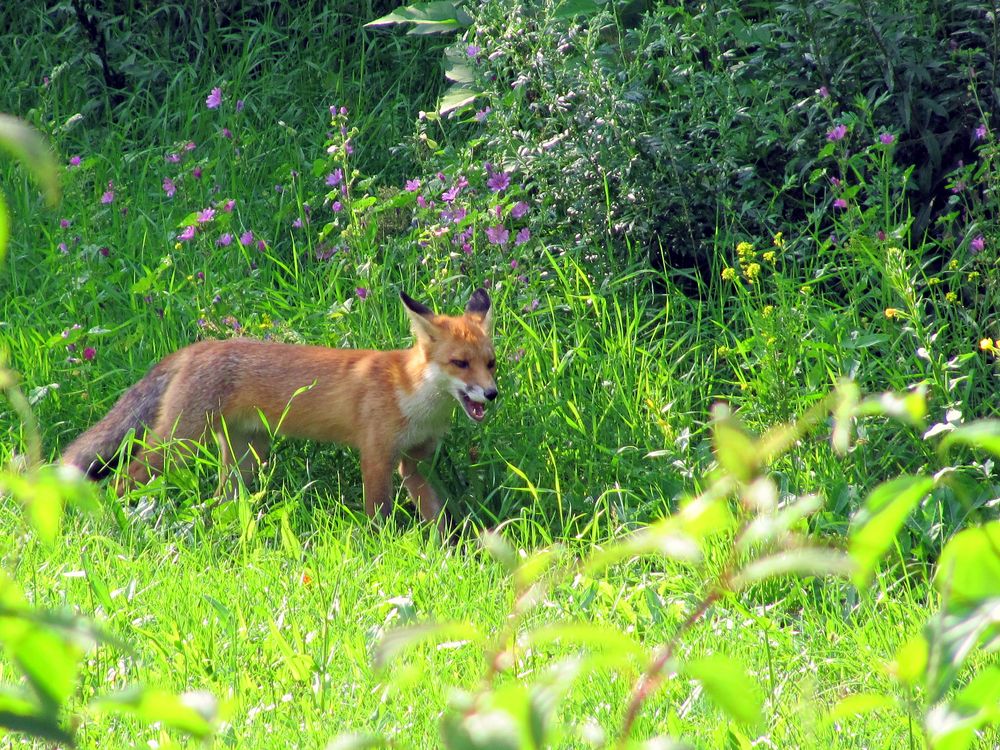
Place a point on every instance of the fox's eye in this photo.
(461, 364)
(491, 364)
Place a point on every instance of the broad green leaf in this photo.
(193, 713)
(428, 18)
(910, 663)
(456, 96)
(726, 682)
(969, 568)
(953, 636)
(48, 661)
(874, 528)
(735, 449)
(98, 585)
(397, 640)
(846, 403)
(984, 434)
(593, 636)
(4, 227)
(858, 705)
(805, 561)
(910, 407)
(28, 146)
(18, 714)
(572, 8)
(356, 742)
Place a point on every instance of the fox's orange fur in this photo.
(392, 406)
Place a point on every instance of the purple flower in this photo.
(520, 209)
(837, 133)
(980, 132)
(196, 173)
(229, 205)
(214, 99)
(108, 196)
(450, 194)
(206, 215)
(421, 201)
(523, 235)
(89, 353)
(224, 240)
(227, 133)
(189, 146)
(261, 245)
(472, 50)
(840, 203)
(823, 92)
(361, 292)
(412, 186)
(64, 223)
(246, 238)
(482, 114)
(887, 138)
(335, 177)
(297, 224)
(63, 249)
(498, 181)
(337, 207)
(513, 264)
(187, 234)
(173, 158)
(239, 105)
(835, 181)
(978, 244)
(497, 235)
(168, 187)
(74, 161)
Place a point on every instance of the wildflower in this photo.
(891, 312)
(361, 291)
(953, 265)
(887, 139)
(168, 187)
(196, 173)
(981, 132)
(189, 146)
(768, 256)
(837, 133)
(74, 161)
(89, 353)
(951, 297)
(497, 181)
(421, 201)
(768, 311)
(933, 281)
(987, 345)
(348, 147)
(104, 252)
(880, 236)
(224, 240)
(729, 274)
(335, 177)
(173, 158)
(467, 248)
(412, 186)
(840, 203)
(206, 215)
(523, 235)
(246, 238)
(187, 234)
(229, 205)
(520, 209)
(227, 133)
(297, 224)
(978, 244)
(835, 181)
(497, 235)
(337, 207)
(752, 272)
(239, 105)
(744, 249)
(823, 92)
(450, 194)
(472, 50)
(64, 223)
(482, 114)
(62, 248)
(779, 240)
(972, 276)
(214, 98)
(109, 194)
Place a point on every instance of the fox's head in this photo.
(460, 347)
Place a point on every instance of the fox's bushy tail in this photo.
(99, 450)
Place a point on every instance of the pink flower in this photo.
(214, 98)
(887, 138)
(497, 235)
(227, 133)
(361, 292)
(64, 223)
(168, 187)
(497, 181)
(74, 161)
(189, 146)
(840, 203)
(228, 206)
(297, 224)
(108, 197)
(980, 132)
(978, 244)
(520, 209)
(224, 240)
(246, 238)
(63, 249)
(482, 114)
(89, 353)
(206, 215)
(450, 194)
(187, 234)
(823, 92)
(337, 207)
(173, 158)
(196, 173)
(837, 133)
(412, 186)
(421, 201)
(335, 177)
(522, 236)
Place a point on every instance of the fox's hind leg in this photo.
(188, 427)
(426, 499)
(240, 453)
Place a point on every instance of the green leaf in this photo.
(397, 640)
(805, 561)
(877, 523)
(572, 8)
(4, 227)
(438, 17)
(456, 96)
(28, 146)
(969, 568)
(735, 449)
(355, 741)
(98, 585)
(23, 716)
(726, 682)
(49, 663)
(859, 704)
(193, 713)
(983, 434)
(592, 635)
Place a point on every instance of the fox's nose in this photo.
(491, 394)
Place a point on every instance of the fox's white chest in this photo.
(427, 409)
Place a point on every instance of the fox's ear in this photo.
(420, 315)
(479, 307)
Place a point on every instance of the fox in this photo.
(392, 406)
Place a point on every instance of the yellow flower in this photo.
(768, 256)
(770, 340)
(891, 312)
(767, 311)
(973, 276)
(729, 274)
(953, 265)
(987, 345)
(951, 297)
(779, 240)
(752, 272)
(722, 351)
(806, 290)
(933, 281)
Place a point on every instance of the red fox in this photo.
(392, 406)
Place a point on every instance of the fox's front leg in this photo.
(421, 491)
(376, 472)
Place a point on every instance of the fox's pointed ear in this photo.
(480, 307)
(420, 315)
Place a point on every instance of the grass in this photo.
(278, 605)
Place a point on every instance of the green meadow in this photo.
(738, 489)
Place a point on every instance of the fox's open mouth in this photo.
(474, 409)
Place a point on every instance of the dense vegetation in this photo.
(786, 208)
